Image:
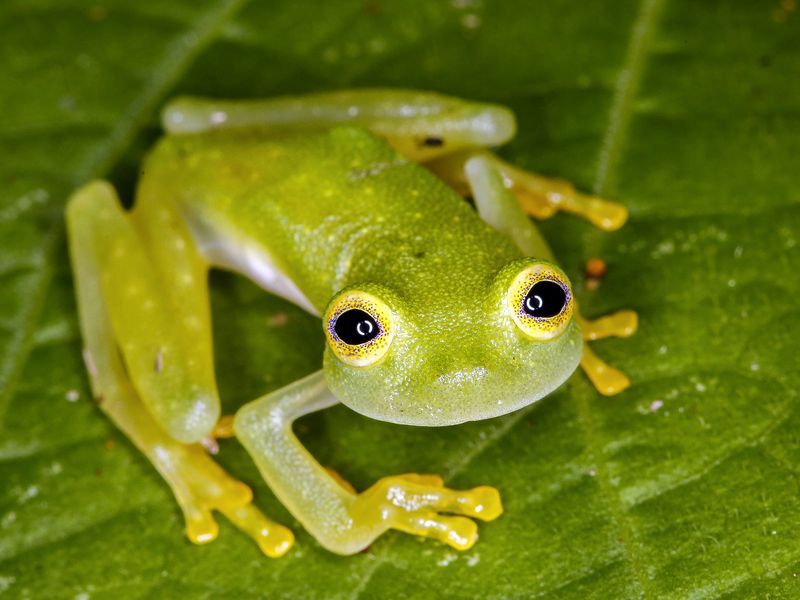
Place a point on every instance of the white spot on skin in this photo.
(663, 350)
(376, 169)
(72, 395)
(473, 560)
(192, 322)
(218, 117)
(737, 253)
(700, 387)
(754, 366)
(731, 283)
(655, 405)
(159, 362)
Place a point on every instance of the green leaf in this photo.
(684, 486)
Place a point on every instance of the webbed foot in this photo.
(606, 379)
(421, 505)
(538, 196)
(201, 487)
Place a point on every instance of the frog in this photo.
(351, 205)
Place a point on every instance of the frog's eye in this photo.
(355, 326)
(540, 301)
(359, 328)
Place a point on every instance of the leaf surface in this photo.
(684, 486)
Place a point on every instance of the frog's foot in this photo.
(540, 197)
(421, 505)
(201, 486)
(606, 379)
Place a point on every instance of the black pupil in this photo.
(546, 299)
(355, 327)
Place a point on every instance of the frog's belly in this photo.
(250, 259)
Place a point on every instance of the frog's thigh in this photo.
(540, 197)
(198, 483)
(421, 125)
(168, 367)
(342, 521)
(498, 208)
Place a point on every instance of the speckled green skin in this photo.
(341, 209)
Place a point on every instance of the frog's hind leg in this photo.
(498, 208)
(440, 131)
(421, 125)
(94, 219)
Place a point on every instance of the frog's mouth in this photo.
(458, 397)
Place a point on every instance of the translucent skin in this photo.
(329, 219)
(474, 362)
(342, 210)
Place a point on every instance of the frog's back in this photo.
(326, 209)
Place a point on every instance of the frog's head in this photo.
(479, 352)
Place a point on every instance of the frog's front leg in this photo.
(120, 321)
(496, 206)
(342, 521)
(540, 197)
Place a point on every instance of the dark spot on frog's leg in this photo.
(432, 141)
(419, 254)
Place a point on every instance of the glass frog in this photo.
(346, 204)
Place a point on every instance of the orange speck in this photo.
(596, 268)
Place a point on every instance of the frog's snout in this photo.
(463, 376)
